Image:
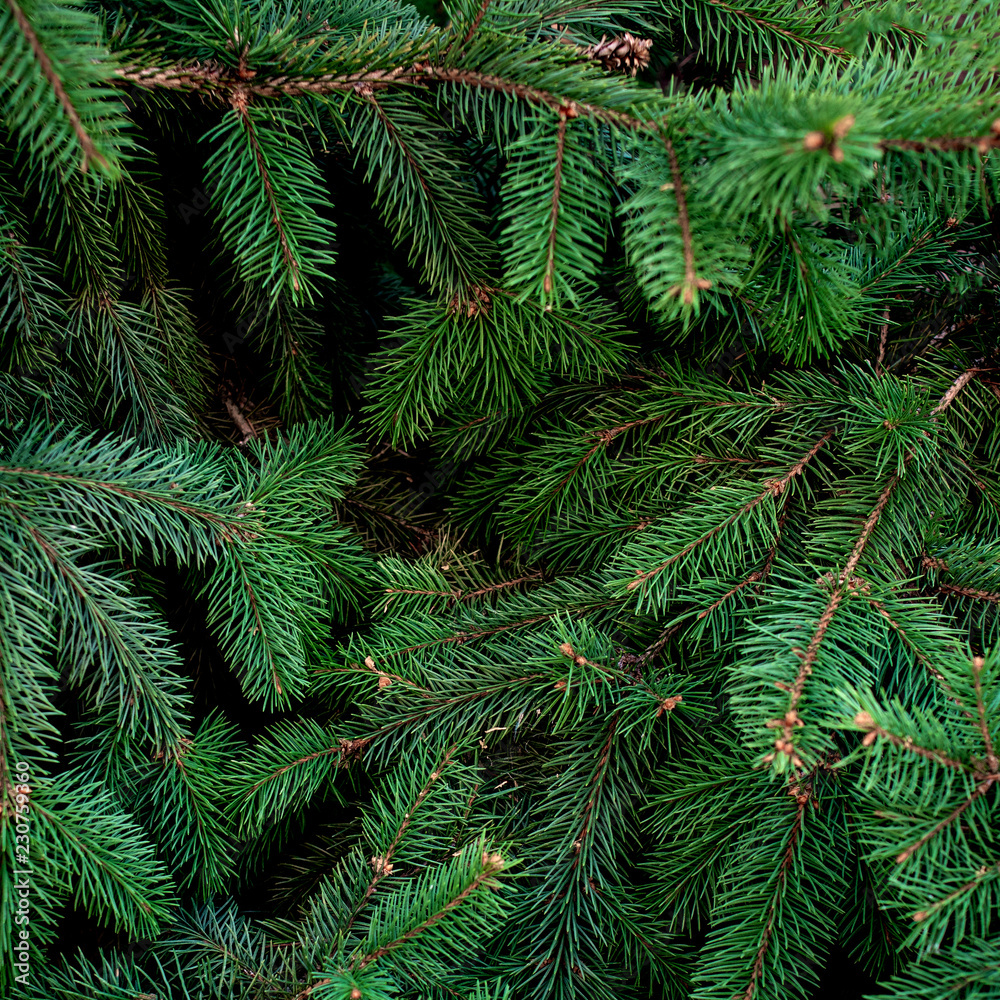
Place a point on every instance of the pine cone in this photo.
(625, 53)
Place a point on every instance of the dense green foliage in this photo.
(499, 502)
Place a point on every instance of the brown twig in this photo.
(212, 78)
(981, 595)
(550, 260)
(956, 387)
(476, 21)
(691, 280)
(971, 884)
(883, 337)
(238, 417)
(951, 144)
(981, 789)
(783, 743)
(872, 729)
(983, 726)
(604, 438)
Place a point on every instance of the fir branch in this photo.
(752, 578)
(53, 95)
(604, 438)
(240, 106)
(773, 488)
(783, 743)
(472, 635)
(492, 864)
(692, 282)
(865, 722)
(787, 860)
(582, 842)
(955, 388)
(342, 749)
(801, 40)
(907, 641)
(981, 789)
(981, 875)
(91, 153)
(382, 864)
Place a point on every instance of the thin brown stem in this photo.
(981, 875)
(980, 595)
(600, 775)
(550, 260)
(604, 438)
(977, 673)
(787, 724)
(491, 588)
(383, 865)
(956, 387)
(752, 578)
(339, 749)
(239, 418)
(214, 78)
(883, 337)
(873, 730)
(476, 21)
(950, 144)
(692, 282)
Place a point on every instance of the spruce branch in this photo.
(554, 211)
(53, 72)
(984, 873)
(867, 724)
(692, 283)
(784, 867)
(91, 152)
(240, 106)
(782, 32)
(784, 746)
(981, 789)
(492, 865)
(382, 864)
(773, 488)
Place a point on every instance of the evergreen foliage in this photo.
(499, 501)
